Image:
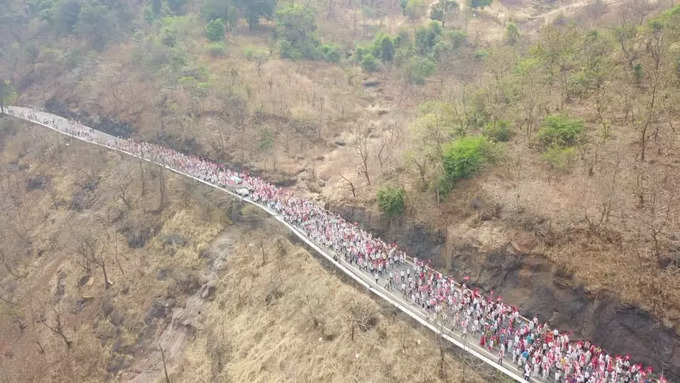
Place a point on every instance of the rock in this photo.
(371, 83)
(83, 280)
(81, 304)
(116, 318)
(174, 240)
(162, 274)
(160, 308)
(106, 308)
(340, 143)
(208, 291)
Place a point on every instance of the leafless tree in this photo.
(360, 146)
(57, 328)
(162, 189)
(165, 366)
(91, 251)
(359, 317)
(351, 185)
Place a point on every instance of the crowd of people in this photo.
(538, 351)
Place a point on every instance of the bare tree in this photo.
(57, 328)
(91, 251)
(360, 146)
(162, 189)
(165, 366)
(351, 185)
(124, 192)
(359, 317)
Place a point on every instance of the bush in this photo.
(479, 3)
(465, 156)
(391, 201)
(498, 131)
(216, 49)
(254, 53)
(214, 31)
(560, 158)
(330, 53)
(415, 9)
(296, 31)
(418, 69)
(369, 63)
(560, 131)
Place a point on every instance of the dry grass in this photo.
(282, 320)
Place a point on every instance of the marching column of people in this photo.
(537, 350)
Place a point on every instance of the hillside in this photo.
(199, 278)
(569, 108)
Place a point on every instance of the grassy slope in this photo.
(284, 320)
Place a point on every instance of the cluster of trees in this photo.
(296, 34)
(97, 21)
(7, 94)
(230, 12)
(416, 52)
(558, 137)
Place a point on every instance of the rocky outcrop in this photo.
(539, 288)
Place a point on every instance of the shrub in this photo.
(214, 31)
(330, 53)
(560, 131)
(479, 3)
(498, 131)
(512, 34)
(296, 31)
(216, 49)
(465, 156)
(369, 63)
(418, 69)
(560, 158)
(391, 200)
(254, 53)
(415, 9)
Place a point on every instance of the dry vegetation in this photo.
(333, 132)
(223, 301)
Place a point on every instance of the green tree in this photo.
(498, 131)
(215, 29)
(296, 32)
(330, 53)
(442, 10)
(369, 63)
(560, 131)
(479, 4)
(97, 23)
(177, 6)
(418, 69)
(253, 10)
(386, 49)
(66, 15)
(391, 201)
(465, 156)
(220, 9)
(415, 9)
(512, 34)
(7, 94)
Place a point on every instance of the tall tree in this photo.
(443, 10)
(7, 94)
(254, 10)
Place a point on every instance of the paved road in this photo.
(470, 343)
